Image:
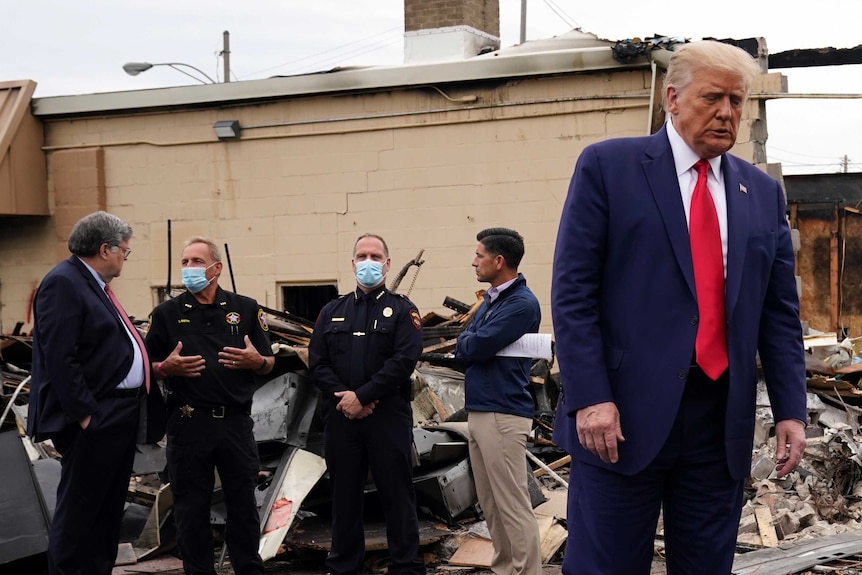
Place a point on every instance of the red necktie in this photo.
(711, 344)
(134, 332)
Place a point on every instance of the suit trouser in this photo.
(383, 442)
(688, 480)
(197, 446)
(498, 459)
(91, 496)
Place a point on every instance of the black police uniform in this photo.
(369, 343)
(209, 425)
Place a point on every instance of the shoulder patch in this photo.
(414, 317)
(261, 319)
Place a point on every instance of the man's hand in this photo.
(789, 446)
(85, 423)
(599, 430)
(241, 358)
(366, 410)
(350, 406)
(183, 365)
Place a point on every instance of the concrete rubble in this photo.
(819, 504)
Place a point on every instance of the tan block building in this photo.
(424, 154)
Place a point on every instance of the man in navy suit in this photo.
(89, 380)
(670, 275)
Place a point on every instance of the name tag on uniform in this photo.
(336, 319)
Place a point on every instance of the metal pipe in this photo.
(523, 21)
(168, 284)
(229, 267)
(654, 69)
(226, 56)
(548, 470)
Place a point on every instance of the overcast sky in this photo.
(79, 47)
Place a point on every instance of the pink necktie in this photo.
(711, 342)
(134, 332)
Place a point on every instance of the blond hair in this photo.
(710, 55)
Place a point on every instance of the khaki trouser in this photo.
(497, 455)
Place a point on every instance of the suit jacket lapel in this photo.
(736, 192)
(94, 285)
(661, 174)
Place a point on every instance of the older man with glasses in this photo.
(90, 378)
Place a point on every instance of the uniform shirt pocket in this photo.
(337, 335)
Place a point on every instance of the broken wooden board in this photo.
(553, 465)
(125, 555)
(442, 347)
(474, 551)
(820, 340)
(765, 526)
(552, 535)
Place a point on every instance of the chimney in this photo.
(439, 30)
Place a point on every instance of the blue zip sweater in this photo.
(492, 383)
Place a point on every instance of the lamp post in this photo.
(135, 68)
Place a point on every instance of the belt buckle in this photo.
(186, 411)
(218, 412)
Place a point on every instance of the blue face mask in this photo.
(195, 279)
(369, 273)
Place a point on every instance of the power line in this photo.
(799, 154)
(327, 51)
(562, 14)
(323, 64)
(836, 164)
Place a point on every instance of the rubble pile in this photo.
(293, 486)
(819, 502)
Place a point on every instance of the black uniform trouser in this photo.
(196, 447)
(94, 481)
(382, 442)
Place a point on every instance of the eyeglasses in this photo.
(126, 251)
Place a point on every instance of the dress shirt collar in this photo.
(494, 292)
(684, 157)
(96, 275)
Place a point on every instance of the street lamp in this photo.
(135, 68)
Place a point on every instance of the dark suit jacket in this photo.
(81, 352)
(624, 307)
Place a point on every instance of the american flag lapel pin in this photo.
(743, 189)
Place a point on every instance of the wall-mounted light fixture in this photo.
(227, 129)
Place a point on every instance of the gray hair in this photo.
(215, 253)
(93, 230)
(710, 55)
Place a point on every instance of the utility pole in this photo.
(845, 161)
(523, 21)
(225, 53)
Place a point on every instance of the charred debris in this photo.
(818, 506)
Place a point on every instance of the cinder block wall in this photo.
(291, 199)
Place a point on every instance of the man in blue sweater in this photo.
(499, 406)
